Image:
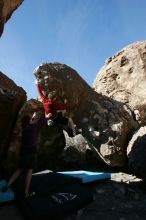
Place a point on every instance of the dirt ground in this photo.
(120, 198)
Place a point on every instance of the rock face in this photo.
(12, 98)
(136, 152)
(7, 7)
(106, 124)
(75, 154)
(123, 78)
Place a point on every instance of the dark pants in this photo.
(28, 161)
(59, 119)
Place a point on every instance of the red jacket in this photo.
(50, 106)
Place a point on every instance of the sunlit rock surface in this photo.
(123, 78)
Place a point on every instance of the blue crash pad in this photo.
(6, 196)
(87, 176)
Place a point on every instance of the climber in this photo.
(28, 151)
(55, 111)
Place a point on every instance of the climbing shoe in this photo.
(29, 194)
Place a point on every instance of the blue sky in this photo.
(79, 33)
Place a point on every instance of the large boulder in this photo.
(12, 97)
(123, 78)
(7, 7)
(106, 124)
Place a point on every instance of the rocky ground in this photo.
(120, 198)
